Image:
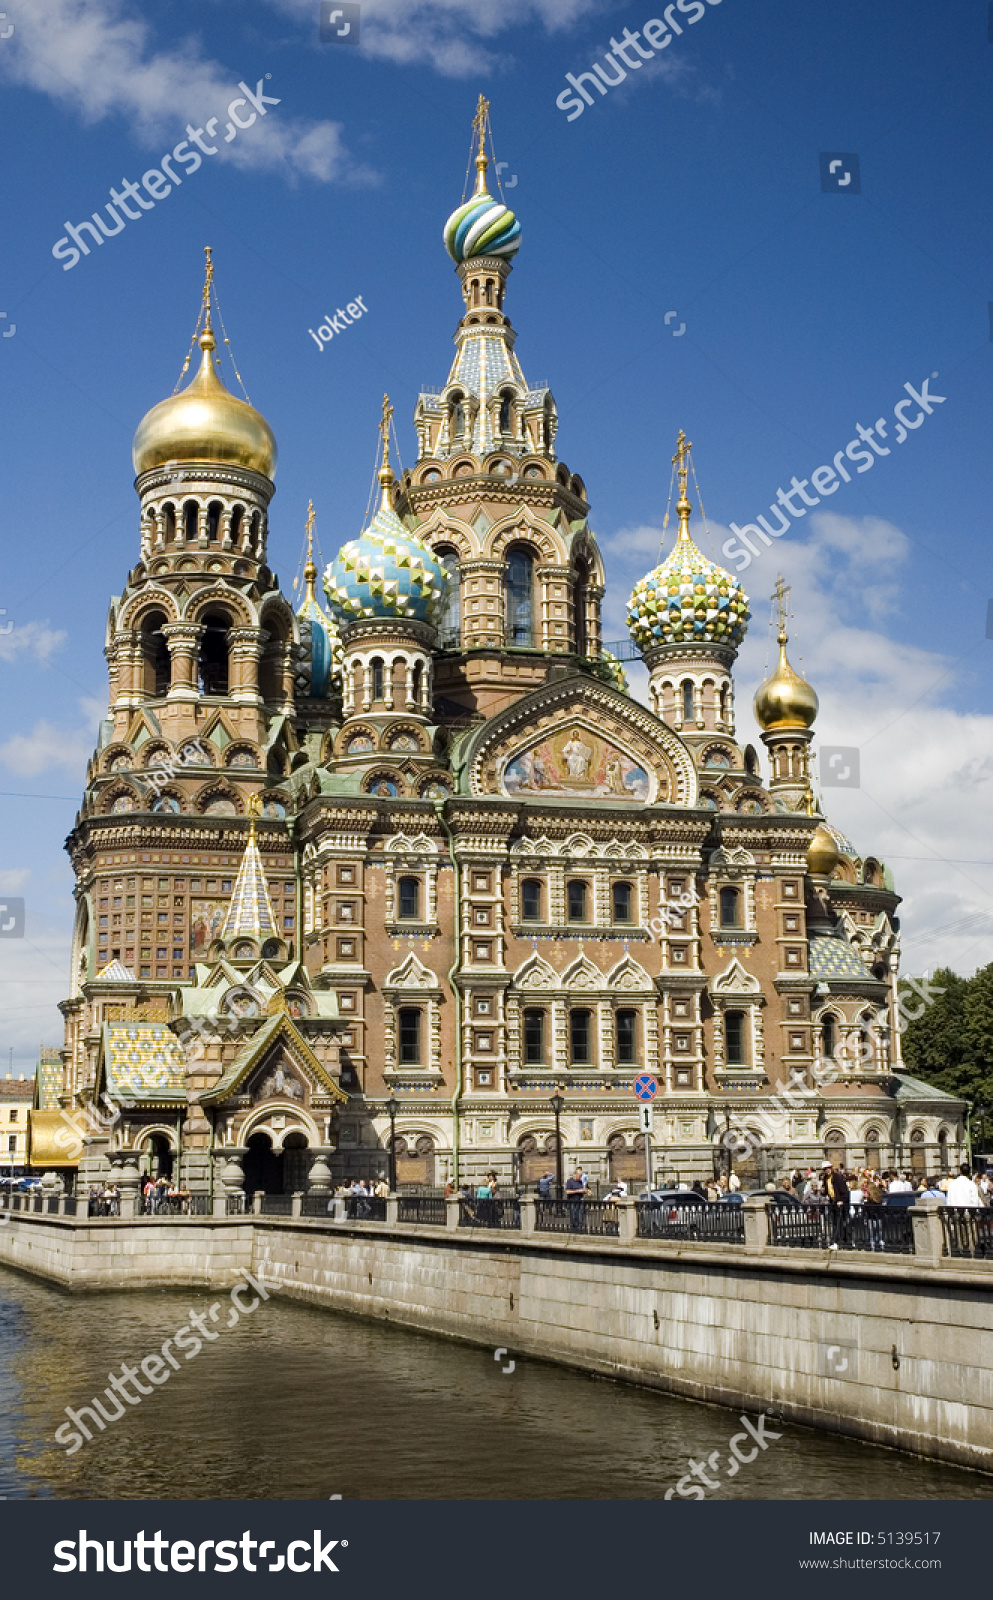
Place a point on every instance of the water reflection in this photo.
(295, 1403)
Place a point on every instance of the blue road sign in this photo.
(646, 1087)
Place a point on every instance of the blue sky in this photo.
(692, 187)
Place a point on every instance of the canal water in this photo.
(295, 1403)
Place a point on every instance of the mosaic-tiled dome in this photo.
(386, 572)
(687, 600)
(482, 227)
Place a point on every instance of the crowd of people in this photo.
(104, 1200)
(864, 1186)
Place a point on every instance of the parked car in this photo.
(674, 1197)
(898, 1200)
(782, 1197)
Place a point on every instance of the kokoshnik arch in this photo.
(416, 835)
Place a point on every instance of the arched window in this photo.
(156, 661)
(622, 898)
(834, 1147)
(687, 700)
(169, 520)
(376, 679)
(214, 654)
(730, 903)
(409, 897)
(725, 702)
(450, 626)
(489, 291)
(519, 583)
(534, 1036)
(410, 1036)
(829, 1038)
(531, 900)
(627, 1038)
(734, 1039)
(577, 895)
(580, 1036)
(867, 1042)
(236, 517)
(506, 414)
(458, 418)
(416, 683)
(213, 519)
(190, 513)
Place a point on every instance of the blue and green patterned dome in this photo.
(687, 600)
(483, 226)
(386, 572)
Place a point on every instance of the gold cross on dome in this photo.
(310, 530)
(209, 275)
(479, 120)
(683, 448)
(384, 426)
(781, 597)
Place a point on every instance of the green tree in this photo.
(934, 1039)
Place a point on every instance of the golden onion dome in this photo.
(204, 422)
(823, 854)
(784, 700)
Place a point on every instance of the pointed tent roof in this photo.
(250, 914)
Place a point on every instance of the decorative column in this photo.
(183, 639)
(245, 646)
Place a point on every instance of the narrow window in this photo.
(213, 520)
(627, 1037)
(190, 515)
(534, 1037)
(687, 700)
(451, 618)
(577, 900)
(729, 908)
(622, 902)
(416, 683)
(410, 897)
(579, 1036)
(531, 900)
(828, 1037)
(214, 654)
(520, 606)
(458, 420)
(410, 1037)
(505, 413)
(376, 669)
(734, 1038)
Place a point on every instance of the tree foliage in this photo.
(950, 1042)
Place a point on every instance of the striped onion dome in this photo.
(482, 226)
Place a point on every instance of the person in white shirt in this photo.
(900, 1185)
(962, 1191)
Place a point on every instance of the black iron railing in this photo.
(234, 1205)
(596, 1217)
(720, 1224)
(277, 1205)
(490, 1213)
(825, 1227)
(968, 1232)
(365, 1208)
(424, 1208)
(174, 1205)
(317, 1205)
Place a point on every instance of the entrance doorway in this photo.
(159, 1156)
(263, 1166)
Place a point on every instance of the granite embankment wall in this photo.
(890, 1349)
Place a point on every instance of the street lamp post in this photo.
(557, 1104)
(392, 1107)
(727, 1139)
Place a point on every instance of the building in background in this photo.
(16, 1100)
(412, 858)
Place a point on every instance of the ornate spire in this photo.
(310, 570)
(386, 474)
(683, 506)
(250, 914)
(785, 701)
(479, 126)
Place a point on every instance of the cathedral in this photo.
(405, 875)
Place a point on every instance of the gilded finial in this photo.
(207, 340)
(780, 598)
(310, 570)
(254, 810)
(479, 123)
(386, 475)
(683, 506)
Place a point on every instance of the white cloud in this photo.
(14, 880)
(99, 59)
(46, 747)
(926, 770)
(34, 638)
(453, 36)
(34, 977)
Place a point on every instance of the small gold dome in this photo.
(784, 700)
(204, 422)
(823, 854)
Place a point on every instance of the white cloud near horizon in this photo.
(926, 768)
(47, 748)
